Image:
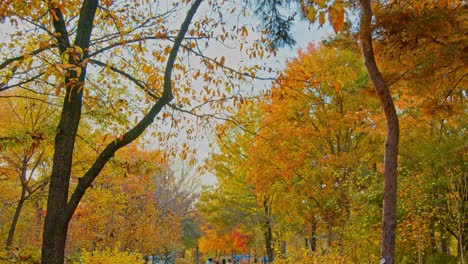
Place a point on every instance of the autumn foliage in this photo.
(103, 106)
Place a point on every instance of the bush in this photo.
(110, 256)
(22, 255)
(442, 258)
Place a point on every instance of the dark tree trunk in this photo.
(329, 237)
(56, 224)
(268, 234)
(392, 139)
(432, 237)
(313, 238)
(444, 246)
(283, 249)
(12, 230)
(59, 208)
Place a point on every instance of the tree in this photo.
(392, 139)
(317, 141)
(425, 70)
(237, 204)
(26, 151)
(59, 209)
(336, 11)
(110, 42)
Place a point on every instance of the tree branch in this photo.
(86, 181)
(22, 57)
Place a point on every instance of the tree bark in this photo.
(267, 230)
(59, 211)
(392, 139)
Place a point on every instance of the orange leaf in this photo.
(321, 18)
(336, 16)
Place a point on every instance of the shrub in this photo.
(23, 255)
(442, 258)
(110, 256)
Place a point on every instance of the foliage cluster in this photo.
(110, 256)
(306, 159)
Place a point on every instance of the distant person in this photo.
(223, 261)
(217, 261)
(229, 261)
(209, 261)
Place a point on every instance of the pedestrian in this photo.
(209, 261)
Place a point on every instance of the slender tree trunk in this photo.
(329, 237)
(392, 139)
(313, 236)
(267, 230)
(283, 248)
(19, 207)
(432, 237)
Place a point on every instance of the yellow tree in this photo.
(120, 49)
(122, 209)
(318, 135)
(26, 150)
(236, 203)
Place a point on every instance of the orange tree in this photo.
(423, 50)
(124, 208)
(116, 59)
(317, 140)
(278, 24)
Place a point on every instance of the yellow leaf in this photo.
(321, 18)
(311, 14)
(222, 61)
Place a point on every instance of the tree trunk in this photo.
(329, 237)
(56, 223)
(19, 207)
(392, 139)
(313, 237)
(283, 249)
(267, 230)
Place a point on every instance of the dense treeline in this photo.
(309, 154)
(89, 133)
